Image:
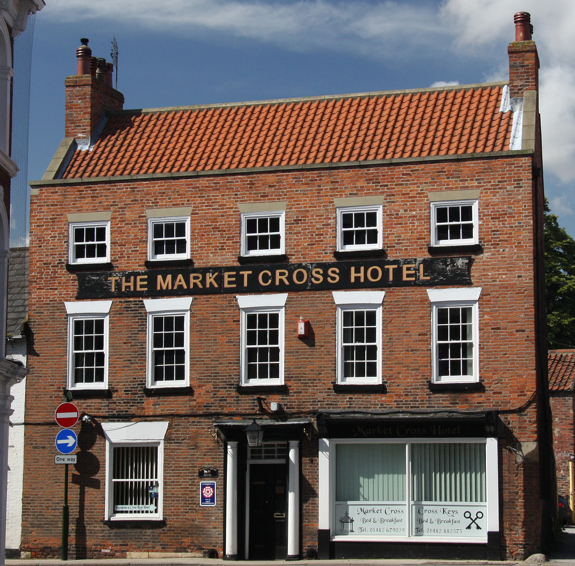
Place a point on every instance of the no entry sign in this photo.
(67, 415)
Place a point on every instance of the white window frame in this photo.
(162, 307)
(354, 301)
(455, 297)
(435, 241)
(130, 434)
(163, 220)
(250, 304)
(72, 258)
(327, 487)
(378, 209)
(245, 216)
(87, 310)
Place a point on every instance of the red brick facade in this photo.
(205, 419)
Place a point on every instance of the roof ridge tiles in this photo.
(328, 97)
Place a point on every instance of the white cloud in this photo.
(379, 29)
(444, 83)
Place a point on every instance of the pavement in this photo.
(563, 553)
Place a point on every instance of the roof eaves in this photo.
(278, 168)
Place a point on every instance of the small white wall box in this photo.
(302, 328)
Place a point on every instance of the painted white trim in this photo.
(351, 301)
(324, 484)
(245, 216)
(163, 219)
(127, 434)
(358, 297)
(264, 304)
(72, 244)
(435, 204)
(264, 301)
(378, 209)
(179, 306)
(231, 534)
(492, 480)
(168, 305)
(134, 432)
(293, 526)
(88, 307)
(454, 294)
(87, 310)
(455, 297)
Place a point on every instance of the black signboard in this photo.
(404, 428)
(275, 278)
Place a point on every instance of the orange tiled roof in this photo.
(561, 370)
(430, 122)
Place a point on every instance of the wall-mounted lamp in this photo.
(302, 328)
(254, 434)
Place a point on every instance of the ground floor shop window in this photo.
(134, 470)
(417, 489)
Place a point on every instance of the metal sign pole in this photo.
(65, 517)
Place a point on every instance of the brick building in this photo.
(562, 402)
(352, 277)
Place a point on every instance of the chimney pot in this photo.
(100, 68)
(109, 79)
(523, 27)
(83, 54)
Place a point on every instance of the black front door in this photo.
(268, 526)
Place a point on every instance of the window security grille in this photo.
(135, 480)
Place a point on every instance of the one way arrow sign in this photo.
(66, 441)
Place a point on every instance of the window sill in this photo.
(104, 266)
(347, 254)
(72, 394)
(272, 258)
(360, 388)
(151, 263)
(167, 391)
(135, 523)
(250, 389)
(446, 387)
(464, 248)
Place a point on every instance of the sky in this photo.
(185, 52)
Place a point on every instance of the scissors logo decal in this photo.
(478, 515)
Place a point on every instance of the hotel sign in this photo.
(275, 278)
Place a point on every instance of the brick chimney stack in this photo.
(523, 58)
(89, 94)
